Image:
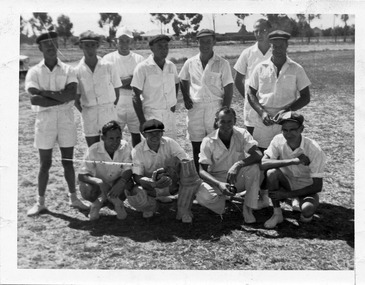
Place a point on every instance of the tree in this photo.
(241, 18)
(187, 25)
(345, 18)
(112, 20)
(162, 19)
(64, 28)
(304, 21)
(41, 22)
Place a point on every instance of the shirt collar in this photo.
(59, 62)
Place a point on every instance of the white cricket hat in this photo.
(124, 31)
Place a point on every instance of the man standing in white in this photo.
(206, 85)
(246, 63)
(155, 84)
(244, 66)
(125, 62)
(98, 88)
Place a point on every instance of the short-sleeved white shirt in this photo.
(97, 88)
(125, 65)
(219, 159)
(279, 149)
(145, 160)
(41, 78)
(276, 93)
(206, 85)
(106, 172)
(245, 65)
(158, 86)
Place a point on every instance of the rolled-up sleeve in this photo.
(205, 155)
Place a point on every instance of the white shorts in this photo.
(94, 118)
(200, 120)
(264, 134)
(167, 117)
(56, 124)
(127, 115)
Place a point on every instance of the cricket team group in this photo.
(264, 162)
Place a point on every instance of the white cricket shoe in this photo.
(36, 209)
(78, 204)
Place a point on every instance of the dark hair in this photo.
(112, 125)
(226, 110)
(264, 22)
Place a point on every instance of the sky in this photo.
(142, 22)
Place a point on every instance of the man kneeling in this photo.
(229, 157)
(107, 171)
(295, 167)
(155, 168)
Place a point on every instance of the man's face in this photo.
(279, 48)
(260, 31)
(49, 48)
(206, 44)
(160, 49)
(153, 138)
(225, 123)
(89, 48)
(291, 131)
(123, 44)
(112, 140)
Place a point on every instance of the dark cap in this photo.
(46, 37)
(152, 126)
(89, 36)
(279, 35)
(205, 33)
(291, 117)
(158, 38)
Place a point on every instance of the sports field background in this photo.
(65, 239)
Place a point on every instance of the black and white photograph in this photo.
(182, 143)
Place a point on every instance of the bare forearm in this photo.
(137, 105)
(275, 163)
(254, 102)
(228, 93)
(87, 178)
(39, 100)
(240, 85)
(302, 101)
(65, 95)
(207, 177)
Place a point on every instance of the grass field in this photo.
(64, 238)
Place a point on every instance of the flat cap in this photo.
(205, 33)
(124, 32)
(158, 38)
(89, 36)
(46, 37)
(279, 35)
(291, 117)
(152, 126)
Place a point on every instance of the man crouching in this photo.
(107, 171)
(229, 157)
(295, 167)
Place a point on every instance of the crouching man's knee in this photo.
(89, 192)
(207, 197)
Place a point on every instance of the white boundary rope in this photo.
(98, 161)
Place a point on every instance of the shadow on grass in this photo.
(331, 222)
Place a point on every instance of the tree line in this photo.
(183, 25)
